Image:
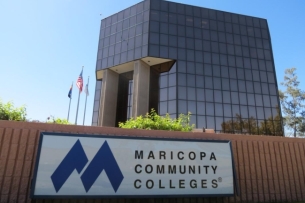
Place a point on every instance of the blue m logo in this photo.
(77, 159)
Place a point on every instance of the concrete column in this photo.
(141, 77)
(109, 96)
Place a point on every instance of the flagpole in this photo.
(86, 101)
(78, 102)
(70, 102)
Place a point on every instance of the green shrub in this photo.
(152, 121)
(11, 113)
(52, 119)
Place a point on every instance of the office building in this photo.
(178, 58)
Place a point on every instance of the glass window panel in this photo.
(198, 44)
(172, 107)
(173, 53)
(154, 38)
(241, 85)
(265, 34)
(163, 108)
(260, 53)
(243, 98)
(270, 77)
(182, 54)
(249, 86)
(251, 100)
(235, 110)
(232, 72)
(172, 80)
(255, 75)
(225, 84)
(206, 34)
(181, 92)
(208, 69)
(240, 73)
(190, 80)
(274, 101)
(206, 45)
(172, 29)
(214, 36)
(218, 112)
(252, 112)
(206, 57)
(164, 51)
(163, 39)
(244, 111)
(266, 100)
(227, 110)
(265, 89)
(181, 79)
(173, 41)
(199, 81)
(197, 33)
(217, 83)
(163, 81)
(201, 122)
(199, 69)
(226, 97)
(254, 64)
(248, 74)
(253, 53)
(257, 87)
(229, 38)
(182, 66)
(154, 50)
(266, 44)
(234, 98)
(138, 41)
(112, 39)
(231, 60)
(214, 46)
(200, 94)
(215, 58)
(190, 67)
(172, 18)
(198, 56)
(223, 60)
(269, 66)
(154, 15)
(258, 100)
(163, 94)
(213, 25)
(244, 41)
(260, 113)
(209, 109)
(224, 71)
(209, 95)
(222, 48)
(164, 28)
(216, 71)
(191, 95)
(189, 43)
(268, 113)
(164, 17)
(250, 31)
(192, 108)
(217, 96)
(190, 55)
(237, 40)
(131, 43)
(272, 89)
(262, 65)
(182, 107)
(201, 108)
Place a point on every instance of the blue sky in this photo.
(44, 44)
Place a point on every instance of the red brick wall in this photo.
(268, 168)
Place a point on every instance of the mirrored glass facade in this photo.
(223, 73)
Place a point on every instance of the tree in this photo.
(292, 102)
(9, 112)
(152, 121)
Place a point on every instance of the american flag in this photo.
(79, 82)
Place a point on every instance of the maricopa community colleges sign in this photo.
(72, 165)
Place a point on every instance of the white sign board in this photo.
(70, 165)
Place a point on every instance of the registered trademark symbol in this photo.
(219, 179)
